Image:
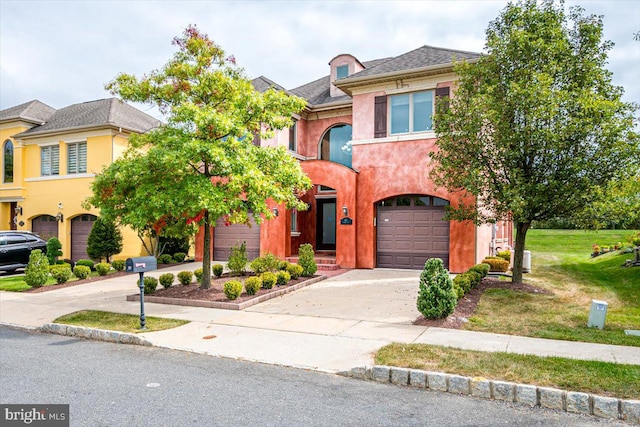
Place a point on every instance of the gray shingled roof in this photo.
(317, 92)
(261, 84)
(421, 57)
(32, 111)
(103, 112)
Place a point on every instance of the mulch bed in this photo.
(216, 292)
(467, 305)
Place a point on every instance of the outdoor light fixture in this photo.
(59, 217)
(60, 205)
(18, 210)
(345, 211)
(275, 211)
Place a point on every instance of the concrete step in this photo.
(328, 267)
(319, 260)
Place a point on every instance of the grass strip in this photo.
(117, 321)
(17, 283)
(601, 378)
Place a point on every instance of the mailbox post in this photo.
(140, 265)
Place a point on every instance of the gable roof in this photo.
(33, 111)
(262, 84)
(109, 112)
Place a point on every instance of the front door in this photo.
(326, 225)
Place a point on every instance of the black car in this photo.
(15, 248)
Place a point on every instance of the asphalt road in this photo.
(124, 385)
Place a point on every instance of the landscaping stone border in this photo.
(545, 397)
(227, 305)
(93, 334)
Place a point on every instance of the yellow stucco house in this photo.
(49, 158)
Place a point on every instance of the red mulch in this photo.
(467, 305)
(216, 292)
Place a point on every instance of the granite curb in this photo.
(93, 334)
(545, 397)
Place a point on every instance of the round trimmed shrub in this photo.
(294, 271)
(198, 273)
(306, 260)
(217, 269)
(436, 297)
(81, 271)
(496, 264)
(166, 280)
(62, 273)
(505, 255)
(118, 265)
(474, 277)
(233, 289)
(252, 285)
(165, 259)
(86, 263)
(284, 265)
(185, 277)
(179, 256)
(463, 283)
(268, 279)
(282, 278)
(150, 284)
(103, 268)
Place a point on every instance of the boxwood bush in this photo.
(150, 284)
(165, 259)
(497, 264)
(118, 264)
(252, 285)
(185, 277)
(103, 268)
(282, 278)
(179, 256)
(37, 271)
(268, 279)
(306, 260)
(294, 271)
(233, 289)
(166, 280)
(62, 273)
(217, 269)
(81, 271)
(86, 263)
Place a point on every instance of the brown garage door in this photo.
(410, 230)
(45, 226)
(228, 236)
(80, 229)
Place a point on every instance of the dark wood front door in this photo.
(326, 224)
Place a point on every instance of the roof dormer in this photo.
(342, 66)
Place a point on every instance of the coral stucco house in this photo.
(364, 140)
(49, 158)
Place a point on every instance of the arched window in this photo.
(7, 170)
(336, 145)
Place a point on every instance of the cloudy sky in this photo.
(63, 52)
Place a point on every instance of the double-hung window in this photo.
(293, 137)
(49, 160)
(411, 112)
(77, 158)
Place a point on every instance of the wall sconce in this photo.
(345, 211)
(18, 210)
(60, 206)
(59, 217)
(275, 211)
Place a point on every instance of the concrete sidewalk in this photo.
(333, 325)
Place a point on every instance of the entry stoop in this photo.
(324, 262)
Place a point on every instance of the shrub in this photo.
(81, 271)
(268, 262)
(462, 283)
(103, 268)
(294, 271)
(505, 255)
(306, 260)
(185, 278)
(59, 264)
(217, 269)
(150, 284)
(483, 269)
(53, 250)
(233, 289)
(436, 297)
(179, 256)
(198, 273)
(86, 263)
(282, 278)
(496, 264)
(268, 279)
(238, 259)
(252, 285)
(165, 259)
(104, 240)
(37, 271)
(284, 265)
(62, 273)
(166, 280)
(118, 265)
(474, 277)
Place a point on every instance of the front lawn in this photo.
(17, 284)
(118, 321)
(562, 264)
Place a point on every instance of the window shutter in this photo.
(45, 161)
(55, 160)
(442, 99)
(380, 117)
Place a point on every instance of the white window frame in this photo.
(51, 148)
(411, 109)
(73, 169)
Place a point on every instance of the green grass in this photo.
(602, 378)
(17, 284)
(117, 321)
(562, 265)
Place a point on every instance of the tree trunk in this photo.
(206, 253)
(521, 233)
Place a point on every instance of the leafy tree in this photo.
(104, 239)
(202, 165)
(536, 128)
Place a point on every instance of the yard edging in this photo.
(226, 305)
(93, 334)
(545, 397)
